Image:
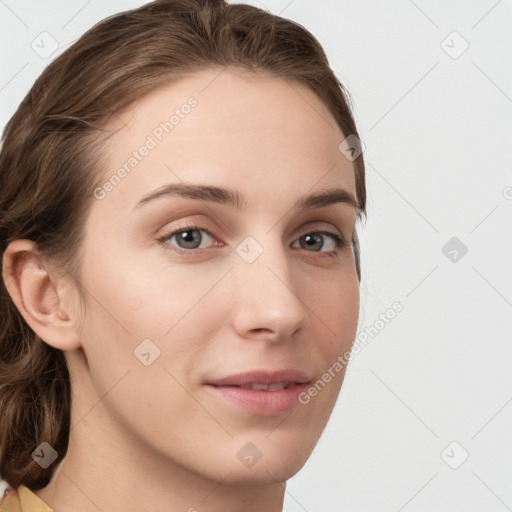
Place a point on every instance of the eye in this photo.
(189, 237)
(315, 241)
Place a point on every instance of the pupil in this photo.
(188, 238)
(314, 239)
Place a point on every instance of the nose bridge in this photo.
(268, 301)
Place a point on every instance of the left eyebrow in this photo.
(234, 198)
(326, 198)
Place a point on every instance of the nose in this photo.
(268, 305)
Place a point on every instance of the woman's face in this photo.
(253, 281)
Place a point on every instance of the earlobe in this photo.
(35, 293)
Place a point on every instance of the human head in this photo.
(52, 161)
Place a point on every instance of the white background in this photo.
(437, 125)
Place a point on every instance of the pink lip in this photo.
(262, 377)
(261, 402)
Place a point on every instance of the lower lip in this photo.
(264, 403)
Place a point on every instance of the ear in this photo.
(39, 295)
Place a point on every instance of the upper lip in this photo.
(262, 377)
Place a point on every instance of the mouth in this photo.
(261, 392)
(256, 386)
(263, 378)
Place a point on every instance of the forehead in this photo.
(253, 131)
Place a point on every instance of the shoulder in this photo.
(22, 499)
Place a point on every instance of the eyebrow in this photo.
(236, 200)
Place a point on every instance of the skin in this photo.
(154, 434)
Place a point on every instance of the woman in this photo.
(179, 194)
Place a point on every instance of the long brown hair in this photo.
(51, 156)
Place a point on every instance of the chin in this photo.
(269, 474)
(272, 461)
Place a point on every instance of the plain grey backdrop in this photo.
(424, 418)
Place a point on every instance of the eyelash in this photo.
(339, 241)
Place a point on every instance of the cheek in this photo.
(147, 298)
(335, 305)
(132, 363)
(152, 307)
(334, 312)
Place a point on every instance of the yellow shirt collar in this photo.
(24, 500)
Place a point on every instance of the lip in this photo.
(262, 377)
(261, 402)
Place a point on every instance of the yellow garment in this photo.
(22, 500)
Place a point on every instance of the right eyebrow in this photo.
(203, 192)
